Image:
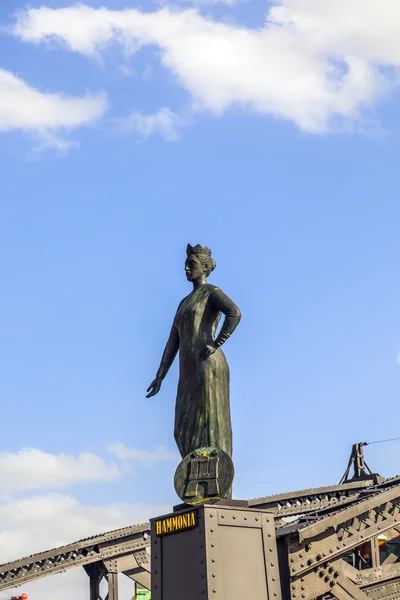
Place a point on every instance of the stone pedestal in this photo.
(214, 552)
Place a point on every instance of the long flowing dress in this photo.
(202, 413)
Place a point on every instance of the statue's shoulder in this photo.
(214, 290)
(211, 287)
(182, 301)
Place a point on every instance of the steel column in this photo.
(95, 573)
(375, 555)
(112, 586)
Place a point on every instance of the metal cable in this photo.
(380, 441)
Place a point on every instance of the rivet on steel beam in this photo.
(301, 555)
(302, 579)
(214, 590)
(212, 530)
(303, 595)
(292, 560)
(319, 556)
(270, 549)
(269, 535)
(222, 516)
(272, 564)
(302, 587)
(302, 565)
(257, 519)
(213, 560)
(332, 583)
(245, 518)
(234, 517)
(213, 575)
(326, 579)
(310, 561)
(273, 578)
(212, 545)
(268, 520)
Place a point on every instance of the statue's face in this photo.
(194, 268)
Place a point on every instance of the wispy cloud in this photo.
(164, 122)
(144, 457)
(46, 116)
(33, 469)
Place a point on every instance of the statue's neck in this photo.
(199, 282)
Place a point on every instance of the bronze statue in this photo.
(202, 413)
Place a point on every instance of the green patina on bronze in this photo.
(202, 414)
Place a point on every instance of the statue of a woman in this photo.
(202, 413)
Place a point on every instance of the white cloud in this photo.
(44, 522)
(32, 469)
(37, 523)
(126, 70)
(161, 453)
(32, 525)
(165, 122)
(201, 3)
(148, 72)
(313, 63)
(44, 115)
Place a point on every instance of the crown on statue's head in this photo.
(197, 250)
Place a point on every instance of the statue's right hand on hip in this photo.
(154, 387)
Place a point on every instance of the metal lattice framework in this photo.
(320, 547)
(326, 539)
(305, 501)
(119, 551)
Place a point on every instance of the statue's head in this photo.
(198, 262)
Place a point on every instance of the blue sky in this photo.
(274, 147)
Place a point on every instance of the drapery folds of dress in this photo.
(202, 413)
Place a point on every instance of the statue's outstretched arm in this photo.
(224, 304)
(170, 351)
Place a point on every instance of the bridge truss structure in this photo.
(327, 542)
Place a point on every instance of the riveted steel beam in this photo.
(107, 546)
(353, 511)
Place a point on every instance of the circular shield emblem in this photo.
(204, 475)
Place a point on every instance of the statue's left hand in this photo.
(207, 351)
